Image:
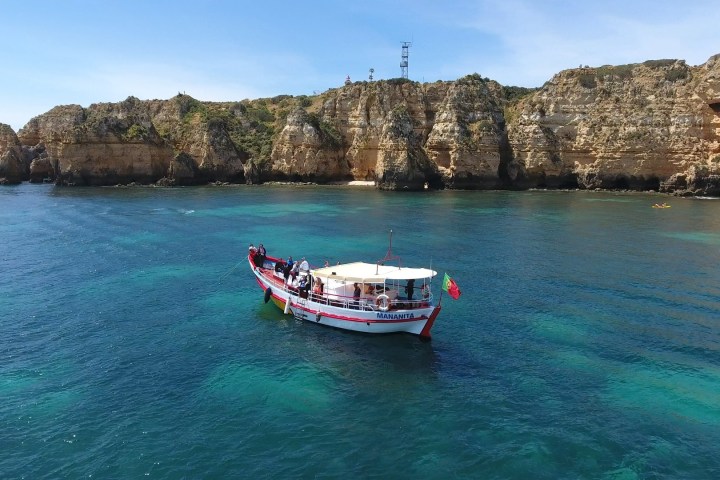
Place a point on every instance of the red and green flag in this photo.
(451, 287)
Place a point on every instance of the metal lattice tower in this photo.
(404, 60)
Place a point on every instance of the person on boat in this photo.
(290, 262)
(318, 289)
(303, 286)
(261, 254)
(425, 291)
(370, 290)
(356, 295)
(279, 265)
(409, 289)
(304, 266)
(286, 270)
(252, 250)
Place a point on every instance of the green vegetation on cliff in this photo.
(589, 78)
(329, 135)
(252, 125)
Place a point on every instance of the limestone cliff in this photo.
(648, 126)
(170, 142)
(12, 167)
(654, 125)
(405, 135)
(308, 149)
(467, 141)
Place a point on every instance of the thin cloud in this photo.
(162, 81)
(516, 42)
(535, 41)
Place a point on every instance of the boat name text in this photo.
(395, 316)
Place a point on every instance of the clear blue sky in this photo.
(56, 52)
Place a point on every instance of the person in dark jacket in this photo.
(260, 256)
(356, 295)
(409, 289)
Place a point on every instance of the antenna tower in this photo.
(404, 60)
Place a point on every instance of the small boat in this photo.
(661, 205)
(358, 296)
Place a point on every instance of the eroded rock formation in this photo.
(645, 126)
(649, 126)
(12, 166)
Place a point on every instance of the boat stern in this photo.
(425, 333)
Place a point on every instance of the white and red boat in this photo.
(363, 297)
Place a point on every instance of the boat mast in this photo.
(388, 256)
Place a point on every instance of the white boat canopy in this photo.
(371, 272)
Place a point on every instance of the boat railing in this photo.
(369, 303)
(336, 300)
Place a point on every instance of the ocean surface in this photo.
(134, 342)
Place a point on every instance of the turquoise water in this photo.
(135, 343)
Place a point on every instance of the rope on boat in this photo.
(225, 275)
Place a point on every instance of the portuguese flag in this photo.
(451, 287)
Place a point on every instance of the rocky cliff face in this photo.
(405, 135)
(121, 143)
(649, 126)
(12, 167)
(307, 149)
(105, 144)
(654, 126)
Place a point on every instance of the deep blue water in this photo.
(134, 342)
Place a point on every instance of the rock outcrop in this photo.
(405, 135)
(106, 144)
(308, 149)
(12, 166)
(648, 126)
(121, 143)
